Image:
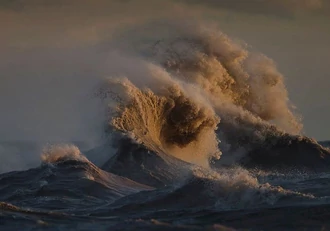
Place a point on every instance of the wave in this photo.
(172, 122)
(137, 163)
(195, 123)
(286, 153)
(229, 190)
(245, 89)
(65, 172)
(201, 94)
(325, 144)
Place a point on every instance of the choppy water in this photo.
(71, 193)
(199, 135)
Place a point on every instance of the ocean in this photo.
(199, 135)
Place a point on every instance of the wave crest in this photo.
(58, 153)
(192, 79)
(230, 75)
(169, 122)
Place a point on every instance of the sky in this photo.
(52, 52)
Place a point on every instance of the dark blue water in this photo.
(142, 191)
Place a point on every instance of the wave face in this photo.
(169, 122)
(200, 135)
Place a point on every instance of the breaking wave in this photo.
(169, 122)
(198, 87)
(196, 116)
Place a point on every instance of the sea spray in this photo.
(190, 80)
(169, 122)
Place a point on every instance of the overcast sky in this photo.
(44, 45)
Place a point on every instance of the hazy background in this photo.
(52, 55)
